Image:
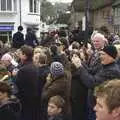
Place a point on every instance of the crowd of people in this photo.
(59, 78)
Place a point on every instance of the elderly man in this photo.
(108, 100)
(109, 70)
(93, 63)
(78, 89)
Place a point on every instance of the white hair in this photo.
(99, 35)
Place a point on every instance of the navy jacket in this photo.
(18, 40)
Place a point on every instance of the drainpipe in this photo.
(87, 18)
(20, 11)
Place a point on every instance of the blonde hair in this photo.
(110, 90)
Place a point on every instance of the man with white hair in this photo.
(93, 64)
(98, 41)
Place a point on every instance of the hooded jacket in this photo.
(10, 109)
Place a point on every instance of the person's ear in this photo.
(59, 110)
(116, 112)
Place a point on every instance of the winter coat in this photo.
(118, 61)
(57, 117)
(58, 86)
(18, 40)
(10, 109)
(93, 64)
(79, 94)
(43, 73)
(107, 72)
(31, 39)
(28, 84)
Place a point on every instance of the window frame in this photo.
(11, 8)
(34, 8)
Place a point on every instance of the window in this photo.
(8, 5)
(117, 12)
(3, 5)
(34, 6)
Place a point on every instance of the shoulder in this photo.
(59, 117)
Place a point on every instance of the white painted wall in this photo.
(27, 18)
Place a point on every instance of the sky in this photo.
(64, 1)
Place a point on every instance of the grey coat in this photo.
(107, 72)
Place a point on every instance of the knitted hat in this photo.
(56, 69)
(110, 50)
(7, 57)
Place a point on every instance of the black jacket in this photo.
(18, 40)
(10, 110)
(31, 39)
(29, 94)
(79, 94)
(57, 117)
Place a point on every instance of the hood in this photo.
(13, 104)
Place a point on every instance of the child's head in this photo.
(55, 105)
(5, 91)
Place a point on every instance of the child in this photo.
(10, 107)
(55, 108)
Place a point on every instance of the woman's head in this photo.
(26, 53)
(39, 59)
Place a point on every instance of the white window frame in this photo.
(13, 6)
(33, 7)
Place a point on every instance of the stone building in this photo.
(116, 8)
(100, 13)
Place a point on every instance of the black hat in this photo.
(110, 50)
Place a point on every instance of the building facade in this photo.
(103, 17)
(100, 13)
(18, 12)
(116, 8)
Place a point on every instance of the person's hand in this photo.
(76, 61)
(14, 72)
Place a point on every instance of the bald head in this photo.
(98, 41)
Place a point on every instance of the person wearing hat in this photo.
(109, 70)
(56, 85)
(9, 63)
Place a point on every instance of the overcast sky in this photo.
(64, 1)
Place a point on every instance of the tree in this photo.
(47, 11)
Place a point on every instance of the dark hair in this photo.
(54, 49)
(28, 51)
(5, 88)
(29, 29)
(64, 42)
(20, 28)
